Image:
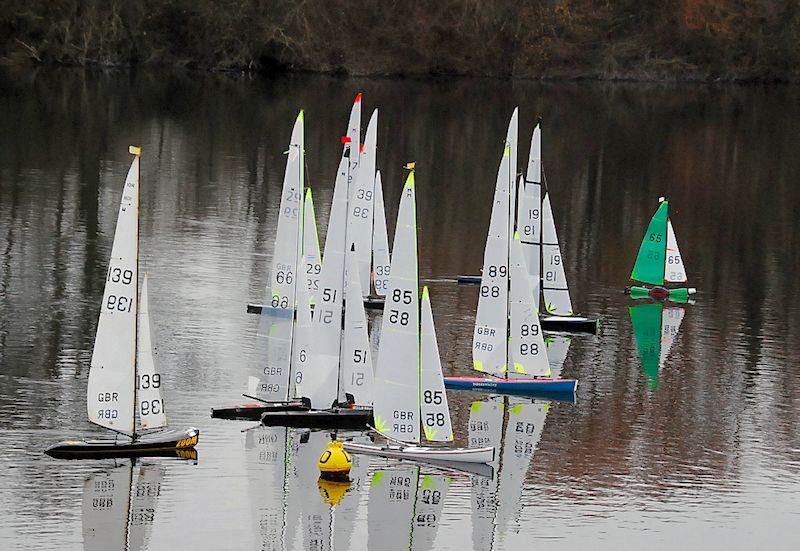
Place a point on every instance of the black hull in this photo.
(570, 324)
(358, 419)
(370, 303)
(168, 443)
(254, 411)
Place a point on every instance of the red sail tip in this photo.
(361, 148)
(346, 139)
(358, 98)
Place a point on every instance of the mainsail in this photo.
(110, 391)
(319, 384)
(490, 334)
(360, 208)
(396, 396)
(650, 262)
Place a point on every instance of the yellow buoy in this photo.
(332, 491)
(335, 462)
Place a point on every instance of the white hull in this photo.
(460, 455)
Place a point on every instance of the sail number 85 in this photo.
(397, 316)
(432, 397)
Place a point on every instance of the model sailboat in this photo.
(540, 245)
(269, 382)
(659, 262)
(335, 377)
(124, 390)
(409, 390)
(508, 344)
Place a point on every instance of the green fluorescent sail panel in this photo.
(646, 320)
(649, 267)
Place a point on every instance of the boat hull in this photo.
(254, 411)
(162, 443)
(680, 294)
(359, 418)
(524, 387)
(440, 455)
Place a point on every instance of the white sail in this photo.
(144, 500)
(352, 144)
(356, 374)
(319, 384)
(109, 393)
(490, 334)
(485, 429)
(104, 509)
(512, 138)
(433, 399)
(523, 432)
(428, 510)
(287, 240)
(312, 260)
(529, 218)
(557, 348)
(554, 280)
(380, 241)
(671, 319)
(392, 494)
(396, 396)
(674, 270)
(527, 354)
(301, 342)
(148, 379)
(360, 208)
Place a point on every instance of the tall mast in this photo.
(135, 150)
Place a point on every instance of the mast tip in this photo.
(135, 150)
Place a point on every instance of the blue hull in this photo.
(550, 388)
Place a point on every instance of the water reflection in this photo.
(699, 454)
(120, 506)
(655, 327)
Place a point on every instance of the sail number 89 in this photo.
(494, 270)
(493, 291)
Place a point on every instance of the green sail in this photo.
(649, 267)
(646, 320)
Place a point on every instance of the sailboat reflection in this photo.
(119, 506)
(496, 501)
(405, 507)
(655, 327)
(292, 507)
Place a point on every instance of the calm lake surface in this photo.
(702, 451)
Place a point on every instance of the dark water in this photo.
(702, 452)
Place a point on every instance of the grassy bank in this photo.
(603, 39)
